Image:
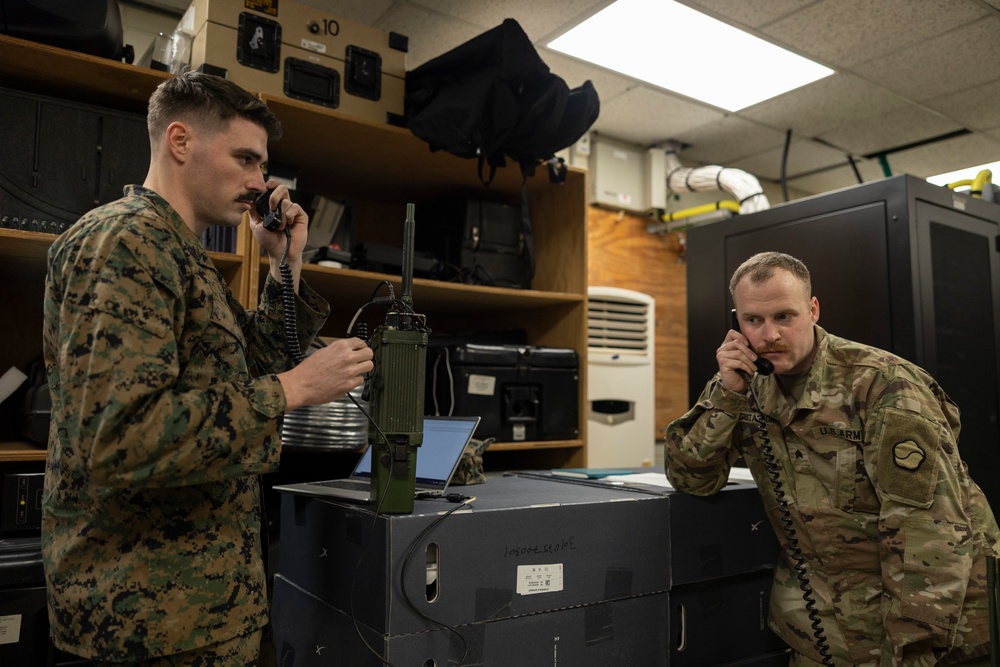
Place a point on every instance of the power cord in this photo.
(462, 502)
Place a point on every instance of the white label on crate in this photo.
(10, 629)
(519, 432)
(315, 47)
(482, 385)
(533, 579)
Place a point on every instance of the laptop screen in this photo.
(444, 441)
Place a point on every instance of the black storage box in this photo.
(65, 159)
(534, 570)
(311, 633)
(478, 242)
(594, 543)
(24, 625)
(521, 392)
(735, 608)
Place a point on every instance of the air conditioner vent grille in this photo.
(619, 326)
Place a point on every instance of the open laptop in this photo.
(445, 439)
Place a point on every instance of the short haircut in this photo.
(207, 101)
(760, 268)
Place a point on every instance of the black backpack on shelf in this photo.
(492, 97)
(93, 27)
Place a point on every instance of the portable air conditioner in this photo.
(621, 383)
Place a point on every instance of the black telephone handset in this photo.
(765, 367)
(270, 219)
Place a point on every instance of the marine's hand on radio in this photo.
(327, 374)
(736, 361)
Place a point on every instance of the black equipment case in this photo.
(521, 392)
(479, 242)
(93, 27)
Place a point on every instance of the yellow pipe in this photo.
(729, 204)
(976, 185)
(982, 179)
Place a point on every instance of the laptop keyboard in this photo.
(349, 484)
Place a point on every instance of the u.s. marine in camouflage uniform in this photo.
(893, 531)
(166, 392)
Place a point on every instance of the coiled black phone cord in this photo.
(288, 304)
(774, 474)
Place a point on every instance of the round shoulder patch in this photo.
(908, 455)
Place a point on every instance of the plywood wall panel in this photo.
(621, 253)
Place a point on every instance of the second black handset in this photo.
(270, 219)
(764, 366)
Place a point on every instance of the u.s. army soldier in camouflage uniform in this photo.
(893, 531)
(166, 394)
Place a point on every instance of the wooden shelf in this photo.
(13, 451)
(42, 69)
(378, 168)
(356, 286)
(535, 444)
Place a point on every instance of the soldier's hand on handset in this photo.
(736, 361)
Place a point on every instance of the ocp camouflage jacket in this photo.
(893, 531)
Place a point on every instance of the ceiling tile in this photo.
(843, 33)
(976, 108)
(804, 156)
(838, 177)
(945, 64)
(641, 114)
(823, 105)
(898, 128)
(750, 13)
(726, 139)
(944, 156)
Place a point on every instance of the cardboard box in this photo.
(525, 546)
(311, 633)
(289, 49)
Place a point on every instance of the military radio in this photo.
(396, 392)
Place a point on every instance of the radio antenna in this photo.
(409, 230)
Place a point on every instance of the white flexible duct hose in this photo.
(744, 187)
